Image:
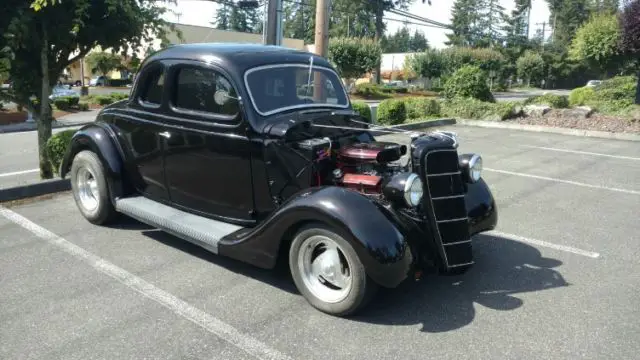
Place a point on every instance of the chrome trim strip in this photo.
(465, 264)
(292, 107)
(444, 174)
(458, 242)
(447, 197)
(452, 220)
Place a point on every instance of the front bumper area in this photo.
(481, 208)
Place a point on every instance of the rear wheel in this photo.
(328, 272)
(90, 188)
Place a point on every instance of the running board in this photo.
(193, 228)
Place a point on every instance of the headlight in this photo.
(404, 189)
(413, 190)
(471, 165)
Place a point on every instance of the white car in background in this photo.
(594, 83)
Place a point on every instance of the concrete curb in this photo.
(549, 129)
(33, 190)
(25, 129)
(417, 125)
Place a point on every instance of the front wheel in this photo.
(328, 272)
(90, 188)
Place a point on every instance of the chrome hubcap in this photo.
(87, 189)
(324, 268)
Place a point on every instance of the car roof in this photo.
(237, 56)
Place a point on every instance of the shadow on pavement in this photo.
(503, 268)
(279, 277)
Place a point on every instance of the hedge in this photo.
(392, 112)
(480, 110)
(56, 147)
(419, 107)
(580, 96)
(554, 101)
(362, 108)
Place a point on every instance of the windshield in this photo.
(283, 87)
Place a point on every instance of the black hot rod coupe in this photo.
(254, 152)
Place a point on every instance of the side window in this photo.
(153, 86)
(205, 91)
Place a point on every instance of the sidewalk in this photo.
(70, 120)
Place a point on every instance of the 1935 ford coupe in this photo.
(254, 152)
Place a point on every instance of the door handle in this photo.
(165, 134)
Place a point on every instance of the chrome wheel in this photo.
(87, 186)
(324, 269)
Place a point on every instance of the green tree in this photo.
(354, 57)
(566, 16)
(597, 43)
(630, 39)
(222, 17)
(530, 66)
(43, 38)
(468, 82)
(418, 42)
(104, 62)
(429, 64)
(465, 17)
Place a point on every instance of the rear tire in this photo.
(328, 273)
(90, 189)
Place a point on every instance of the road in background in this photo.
(558, 279)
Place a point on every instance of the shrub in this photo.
(104, 100)
(580, 96)
(83, 106)
(363, 109)
(554, 101)
(370, 91)
(467, 108)
(62, 103)
(468, 82)
(354, 57)
(56, 147)
(118, 96)
(391, 112)
(419, 107)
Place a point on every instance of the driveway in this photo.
(556, 280)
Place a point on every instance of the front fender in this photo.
(380, 245)
(96, 138)
(481, 207)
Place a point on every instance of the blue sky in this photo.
(196, 12)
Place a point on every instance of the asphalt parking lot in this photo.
(558, 279)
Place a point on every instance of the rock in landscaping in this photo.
(536, 110)
(580, 112)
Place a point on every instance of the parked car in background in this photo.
(62, 91)
(593, 83)
(98, 81)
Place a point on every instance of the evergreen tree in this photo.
(565, 19)
(221, 18)
(238, 20)
(464, 19)
(490, 24)
(418, 42)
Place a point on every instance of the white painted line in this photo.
(19, 172)
(626, 191)
(583, 152)
(179, 307)
(570, 249)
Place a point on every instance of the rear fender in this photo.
(97, 138)
(379, 243)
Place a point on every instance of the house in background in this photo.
(191, 34)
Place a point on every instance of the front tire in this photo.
(90, 188)
(328, 273)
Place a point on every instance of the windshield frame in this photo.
(298, 106)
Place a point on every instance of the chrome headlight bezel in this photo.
(471, 166)
(413, 190)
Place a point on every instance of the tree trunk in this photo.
(379, 33)
(43, 119)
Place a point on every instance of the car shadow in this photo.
(278, 277)
(503, 269)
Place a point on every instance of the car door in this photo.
(140, 126)
(207, 156)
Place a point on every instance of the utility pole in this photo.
(321, 44)
(273, 26)
(379, 33)
(322, 27)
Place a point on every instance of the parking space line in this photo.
(591, 254)
(19, 172)
(626, 191)
(177, 306)
(583, 152)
